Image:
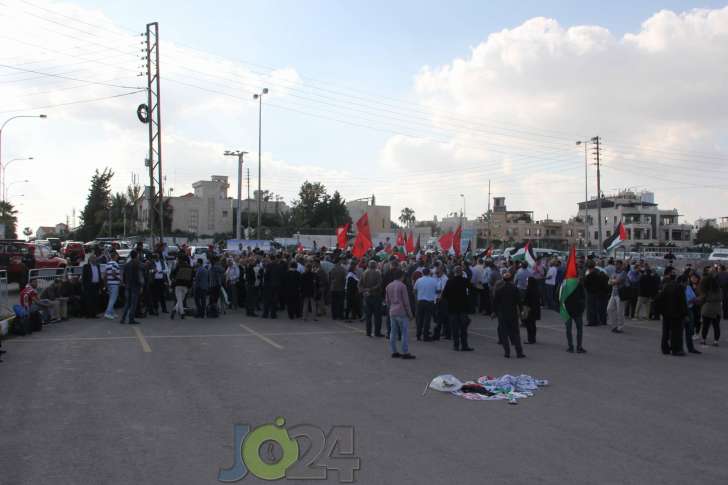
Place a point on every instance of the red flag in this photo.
(571, 265)
(445, 241)
(489, 251)
(411, 243)
(299, 247)
(362, 227)
(361, 246)
(400, 239)
(341, 236)
(363, 241)
(456, 240)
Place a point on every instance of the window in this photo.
(596, 235)
(224, 213)
(609, 233)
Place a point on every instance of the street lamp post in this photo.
(1, 133)
(3, 174)
(259, 97)
(462, 214)
(240, 155)
(586, 194)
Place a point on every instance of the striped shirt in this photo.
(113, 275)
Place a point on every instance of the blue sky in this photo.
(379, 48)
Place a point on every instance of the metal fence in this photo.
(46, 276)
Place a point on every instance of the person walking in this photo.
(672, 305)
(455, 294)
(182, 276)
(371, 289)
(133, 282)
(506, 301)
(113, 282)
(711, 309)
(400, 314)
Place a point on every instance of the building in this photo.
(268, 205)
(723, 224)
(44, 232)
(644, 222)
(380, 220)
(508, 227)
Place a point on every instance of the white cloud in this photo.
(525, 94)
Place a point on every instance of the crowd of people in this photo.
(438, 292)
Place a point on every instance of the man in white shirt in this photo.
(442, 327)
(550, 285)
(425, 289)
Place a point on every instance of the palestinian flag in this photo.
(619, 236)
(524, 252)
(571, 281)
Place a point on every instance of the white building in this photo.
(643, 220)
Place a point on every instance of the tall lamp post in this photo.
(240, 155)
(259, 97)
(462, 214)
(3, 127)
(3, 174)
(586, 194)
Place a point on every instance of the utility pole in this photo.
(586, 194)
(151, 115)
(259, 97)
(489, 216)
(597, 152)
(238, 217)
(248, 209)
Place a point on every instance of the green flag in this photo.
(571, 281)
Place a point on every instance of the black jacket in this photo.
(597, 283)
(86, 275)
(455, 294)
(506, 301)
(670, 302)
(649, 285)
(533, 299)
(292, 284)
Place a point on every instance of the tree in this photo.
(315, 208)
(711, 235)
(98, 203)
(9, 217)
(407, 217)
(27, 232)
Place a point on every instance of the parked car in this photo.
(719, 255)
(74, 252)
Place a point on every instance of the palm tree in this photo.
(407, 216)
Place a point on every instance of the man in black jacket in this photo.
(596, 286)
(673, 307)
(574, 305)
(455, 294)
(506, 302)
(91, 281)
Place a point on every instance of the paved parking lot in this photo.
(92, 401)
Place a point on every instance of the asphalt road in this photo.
(92, 401)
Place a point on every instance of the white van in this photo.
(719, 255)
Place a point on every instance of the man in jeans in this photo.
(425, 291)
(371, 288)
(455, 294)
(133, 280)
(400, 314)
(113, 281)
(615, 307)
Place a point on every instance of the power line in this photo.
(70, 103)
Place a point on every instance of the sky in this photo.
(414, 102)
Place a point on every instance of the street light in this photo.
(586, 194)
(3, 173)
(3, 126)
(259, 97)
(240, 155)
